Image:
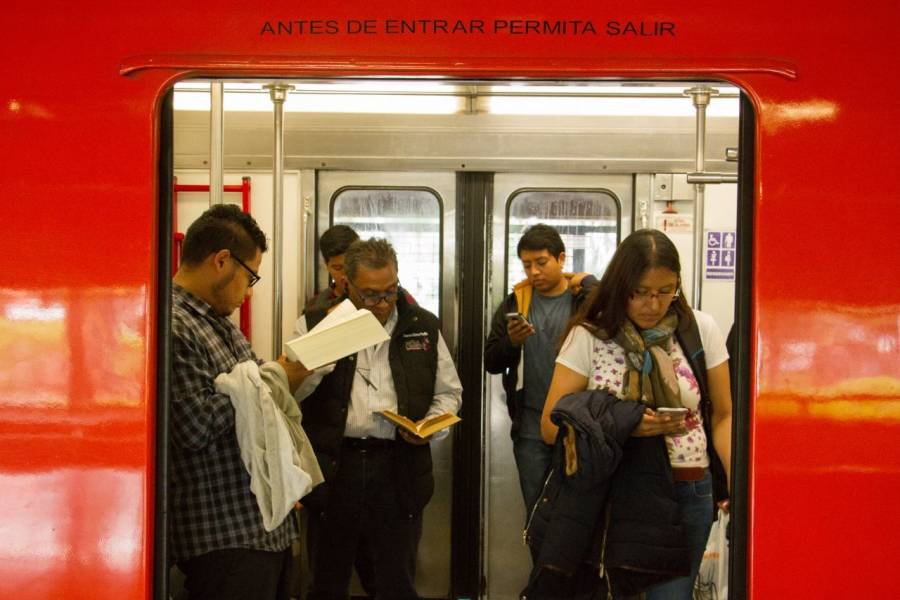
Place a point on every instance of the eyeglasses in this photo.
(372, 299)
(647, 297)
(254, 276)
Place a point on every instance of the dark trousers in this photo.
(365, 567)
(364, 508)
(238, 574)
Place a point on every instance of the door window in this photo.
(587, 221)
(410, 219)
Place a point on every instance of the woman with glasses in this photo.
(636, 339)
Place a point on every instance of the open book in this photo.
(345, 331)
(426, 427)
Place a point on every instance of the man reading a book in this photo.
(378, 478)
(333, 246)
(523, 343)
(217, 534)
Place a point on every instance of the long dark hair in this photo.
(604, 310)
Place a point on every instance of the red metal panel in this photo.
(244, 188)
(77, 296)
(245, 318)
(177, 236)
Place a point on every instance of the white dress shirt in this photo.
(367, 398)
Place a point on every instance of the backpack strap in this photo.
(688, 335)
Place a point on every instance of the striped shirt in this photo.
(211, 505)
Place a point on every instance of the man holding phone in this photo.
(529, 322)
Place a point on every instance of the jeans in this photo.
(696, 501)
(532, 460)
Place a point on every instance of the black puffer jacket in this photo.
(644, 542)
(610, 520)
(563, 525)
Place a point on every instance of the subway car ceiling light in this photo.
(436, 98)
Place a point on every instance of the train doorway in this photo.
(452, 173)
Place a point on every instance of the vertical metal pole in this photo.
(216, 146)
(278, 93)
(700, 96)
(305, 218)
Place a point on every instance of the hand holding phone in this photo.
(518, 328)
(676, 414)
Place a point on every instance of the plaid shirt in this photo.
(212, 507)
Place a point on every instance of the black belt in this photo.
(367, 444)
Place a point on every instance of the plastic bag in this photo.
(712, 580)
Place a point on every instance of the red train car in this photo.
(83, 116)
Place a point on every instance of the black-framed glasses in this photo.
(371, 299)
(254, 276)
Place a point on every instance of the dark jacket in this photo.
(616, 510)
(413, 363)
(644, 542)
(562, 524)
(500, 356)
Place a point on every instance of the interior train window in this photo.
(587, 221)
(410, 218)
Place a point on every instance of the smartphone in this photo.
(516, 315)
(677, 413)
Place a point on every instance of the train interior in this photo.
(452, 172)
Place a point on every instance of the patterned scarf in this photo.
(651, 375)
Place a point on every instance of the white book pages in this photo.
(338, 314)
(345, 331)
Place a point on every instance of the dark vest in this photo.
(413, 361)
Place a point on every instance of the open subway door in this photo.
(82, 292)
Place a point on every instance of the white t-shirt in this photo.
(603, 363)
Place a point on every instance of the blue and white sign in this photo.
(720, 255)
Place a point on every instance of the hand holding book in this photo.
(410, 438)
(296, 372)
(420, 432)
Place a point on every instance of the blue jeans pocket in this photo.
(703, 488)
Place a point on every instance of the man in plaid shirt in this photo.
(216, 528)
